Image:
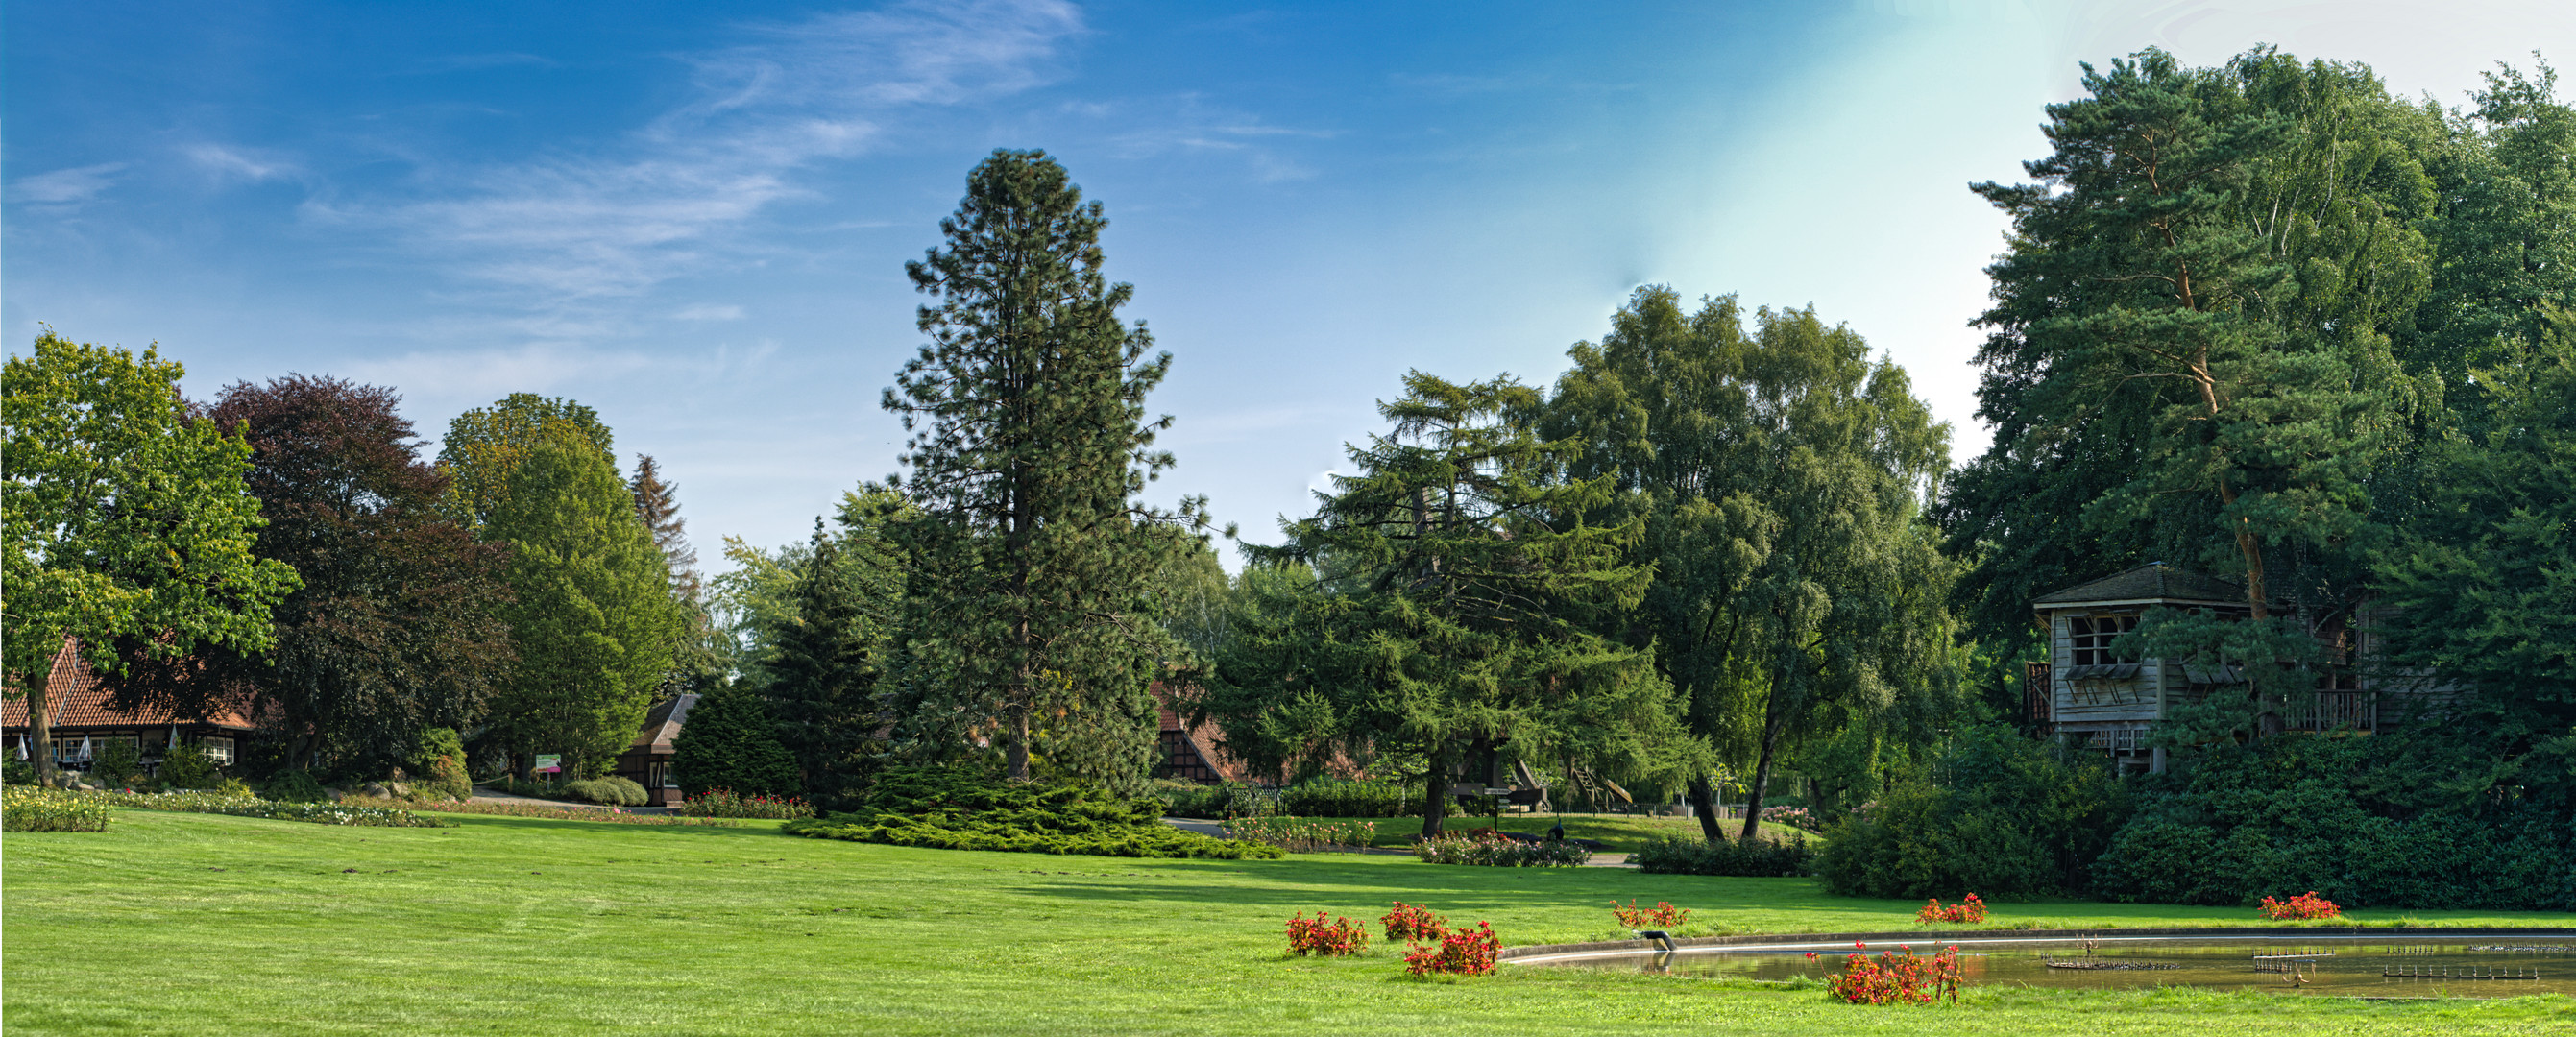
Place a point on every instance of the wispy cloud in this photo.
(235, 163)
(1194, 125)
(709, 311)
(64, 187)
(660, 201)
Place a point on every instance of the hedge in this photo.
(955, 810)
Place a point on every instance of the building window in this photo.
(2092, 637)
(219, 750)
(68, 750)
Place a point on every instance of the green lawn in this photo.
(1620, 833)
(183, 923)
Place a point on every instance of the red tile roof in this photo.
(78, 699)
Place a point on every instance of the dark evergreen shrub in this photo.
(1674, 855)
(442, 764)
(1998, 813)
(956, 809)
(731, 742)
(292, 787)
(1341, 797)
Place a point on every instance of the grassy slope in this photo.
(205, 924)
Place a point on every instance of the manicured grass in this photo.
(185, 923)
(1620, 833)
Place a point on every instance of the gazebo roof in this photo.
(2149, 583)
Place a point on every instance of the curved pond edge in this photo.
(1535, 953)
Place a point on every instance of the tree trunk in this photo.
(1018, 751)
(1702, 790)
(1773, 717)
(38, 708)
(1435, 792)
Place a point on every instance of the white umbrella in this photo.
(22, 748)
(84, 753)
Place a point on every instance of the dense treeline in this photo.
(2264, 321)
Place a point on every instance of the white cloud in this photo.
(64, 186)
(661, 201)
(709, 311)
(237, 163)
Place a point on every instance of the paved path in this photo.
(484, 795)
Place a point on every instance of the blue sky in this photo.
(694, 217)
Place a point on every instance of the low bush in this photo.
(293, 787)
(611, 791)
(1224, 802)
(1682, 855)
(2303, 907)
(119, 764)
(1969, 910)
(1340, 937)
(1413, 923)
(1501, 852)
(1897, 979)
(551, 813)
(252, 806)
(1997, 812)
(17, 772)
(33, 809)
(1304, 834)
(442, 760)
(188, 767)
(1341, 797)
(721, 802)
(1661, 916)
(953, 809)
(1463, 952)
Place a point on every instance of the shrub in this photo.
(252, 806)
(17, 772)
(1414, 923)
(1303, 835)
(29, 809)
(1682, 855)
(1969, 910)
(1338, 938)
(731, 741)
(726, 803)
(1499, 851)
(1341, 797)
(1997, 811)
(1464, 952)
(293, 787)
(2305, 906)
(442, 759)
(952, 809)
(1897, 979)
(188, 767)
(610, 791)
(552, 813)
(1661, 916)
(117, 765)
(1224, 802)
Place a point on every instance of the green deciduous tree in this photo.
(1777, 480)
(485, 446)
(1032, 564)
(124, 525)
(594, 621)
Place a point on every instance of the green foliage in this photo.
(14, 771)
(2343, 817)
(953, 809)
(29, 809)
(124, 525)
(731, 742)
(593, 620)
(1496, 851)
(1997, 813)
(1224, 801)
(1743, 858)
(1033, 564)
(484, 448)
(295, 786)
(118, 763)
(1342, 797)
(728, 803)
(253, 806)
(1776, 480)
(823, 676)
(441, 761)
(611, 791)
(188, 767)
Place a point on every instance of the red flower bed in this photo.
(1896, 979)
(1969, 910)
(1465, 952)
(1414, 923)
(2305, 905)
(1333, 939)
(1661, 916)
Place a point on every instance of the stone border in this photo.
(1942, 935)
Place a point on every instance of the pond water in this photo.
(2373, 966)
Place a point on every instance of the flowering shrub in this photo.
(1794, 817)
(553, 813)
(1498, 851)
(2304, 906)
(1661, 916)
(24, 809)
(1969, 910)
(1303, 835)
(722, 802)
(253, 806)
(1414, 923)
(1897, 979)
(1333, 939)
(1462, 952)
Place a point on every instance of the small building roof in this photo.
(662, 723)
(77, 698)
(2149, 583)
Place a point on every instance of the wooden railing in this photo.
(2038, 691)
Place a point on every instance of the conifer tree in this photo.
(1029, 607)
(696, 659)
(823, 673)
(730, 741)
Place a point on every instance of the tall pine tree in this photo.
(1029, 612)
(824, 672)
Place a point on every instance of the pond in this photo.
(2345, 966)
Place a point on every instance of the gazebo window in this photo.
(2092, 637)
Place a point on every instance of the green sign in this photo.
(550, 764)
